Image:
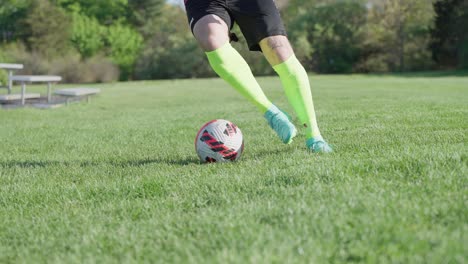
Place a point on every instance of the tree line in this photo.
(106, 40)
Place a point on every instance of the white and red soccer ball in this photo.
(219, 141)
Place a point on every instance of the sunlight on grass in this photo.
(118, 180)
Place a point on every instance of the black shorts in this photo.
(257, 19)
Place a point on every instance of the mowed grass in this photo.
(118, 180)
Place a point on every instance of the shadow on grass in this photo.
(429, 74)
(114, 163)
(31, 164)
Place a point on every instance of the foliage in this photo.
(107, 12)
(124, 45)
(53, 29)
(35, 63)
(96, 69)
(87, 35)
(3, 73)
(144, 12)
(171, 51)
(46, 29)
(397, 36)
(449, 42)
(151, 38)
(329, 35)
(11, 12)
(70, 66)
(121, 43)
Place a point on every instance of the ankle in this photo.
(314, 139)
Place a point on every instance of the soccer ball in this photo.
(219, 141)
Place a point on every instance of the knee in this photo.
(211, 42)
(211, 32)
(276, 49)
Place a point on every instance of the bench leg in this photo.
(23, 93)
(49, 92)
(10, 82)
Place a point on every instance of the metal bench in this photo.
(10, 68)
(71, 93)
(23, 79)
(16, 97)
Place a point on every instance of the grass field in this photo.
(118, 180)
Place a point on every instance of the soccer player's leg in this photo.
(280, 55)
(212, 33)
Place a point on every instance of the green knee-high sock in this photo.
(297, 88)
(230, 66)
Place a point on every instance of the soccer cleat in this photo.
(280, 123)
(318, 145)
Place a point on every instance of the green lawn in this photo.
(118, 180)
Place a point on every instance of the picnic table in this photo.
(23, 79)
(10, 68)
(79, 92)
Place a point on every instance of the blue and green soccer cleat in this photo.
(318, 145)
(280, 123)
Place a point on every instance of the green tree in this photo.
(143, 12)
(107, 12)
(11, 13)
(87, 35)
(124, 45)
(171, 51)
(327, 35)
(46, 29)
(449, 37)
(397, 36)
